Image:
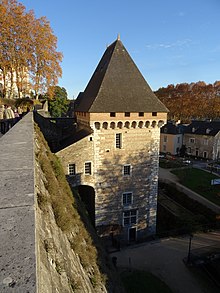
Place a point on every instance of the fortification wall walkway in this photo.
(17, 209)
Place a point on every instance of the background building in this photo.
(202, 139)
(10, 83)
(171, 138)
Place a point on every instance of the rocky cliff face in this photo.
(67, 260)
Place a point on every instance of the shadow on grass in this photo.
(140, 282)
(200, 182)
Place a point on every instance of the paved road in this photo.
(164, 259)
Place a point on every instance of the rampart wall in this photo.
(17, 209)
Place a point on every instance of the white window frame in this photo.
(71, 167)
(206, 141)
(125, 173)
(132, 218)
(118, 140)
(90, 167)
(125, 196)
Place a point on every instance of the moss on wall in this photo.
(70, 258)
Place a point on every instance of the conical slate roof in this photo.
(118, 86)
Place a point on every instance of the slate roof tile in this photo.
(210, 128)
(118, 86)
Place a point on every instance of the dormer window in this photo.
(208, 130)
(165, 130)
(193, 129)
(112, 114)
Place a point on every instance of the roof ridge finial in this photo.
(118, 37)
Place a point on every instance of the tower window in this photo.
(112, 114)
(127, 114)
(141, 114)
(127, 198)
(72, 169)
(130, 217)
(118, 140)
(127, 170)
(154, 113)
(88, 168)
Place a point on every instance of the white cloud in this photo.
(176, 44)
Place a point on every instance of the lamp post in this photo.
(189, 249)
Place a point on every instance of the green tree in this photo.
(59, 104)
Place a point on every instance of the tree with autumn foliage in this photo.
(28, 51)
(191, 101)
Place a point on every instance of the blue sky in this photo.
(171, 41)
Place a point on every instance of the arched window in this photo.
(160, 123)
(134, 124)
(105, 125)
(127, 124)
(154, 123)
(140, 124)
(147, 124)
(112, 125)
(120, 124)
(97, 125)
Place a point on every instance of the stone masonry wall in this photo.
(79, 153)
(140, 148)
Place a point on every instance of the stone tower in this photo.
(115, 150)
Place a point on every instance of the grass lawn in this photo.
(200, 182)
(141, 282)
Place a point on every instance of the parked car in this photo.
(186, 162)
